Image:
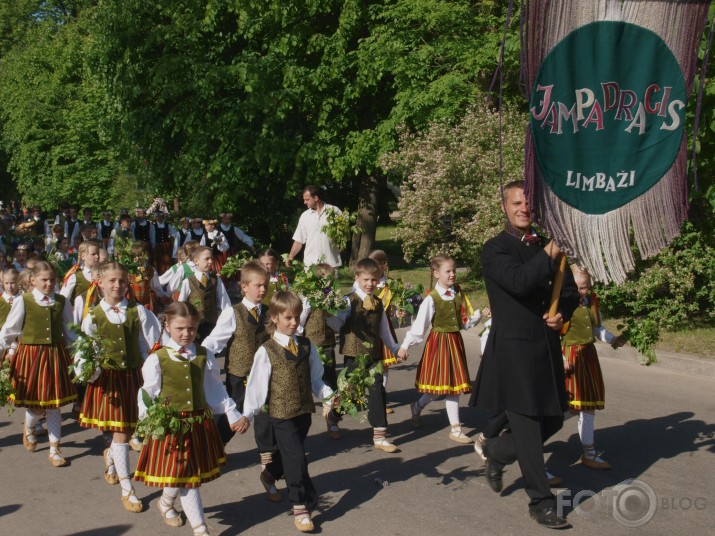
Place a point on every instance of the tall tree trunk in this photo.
(364, 242)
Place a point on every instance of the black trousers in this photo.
(376, 398)
(330, 376)
(495, 424)
(290, 460)
(236, 389)
(524, 441)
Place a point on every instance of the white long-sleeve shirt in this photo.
(214, 391)
(226, 327)
(12, 328)
(337, 322)
(209, 237)
(422, 323)
(222, 299)
(71, 282)
(260, 377)
(243, 237)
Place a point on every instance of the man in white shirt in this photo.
(318, 247)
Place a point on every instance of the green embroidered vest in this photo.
(362, 326)
(580, 329)
(120, 340)
(204, 298)
(182, 382)
(447, 313)
(247, 338)
(42, 325)
(81, 285)
(271, 289)
(4, 310)
(290, 393)
(319, 333)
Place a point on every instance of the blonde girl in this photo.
(39, 368)
(79, 277)
(129, 331)
(442, 371)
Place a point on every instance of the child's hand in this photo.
(401, 313)
(402, 355)
(487, 312)
(241, 425)
(618, 342)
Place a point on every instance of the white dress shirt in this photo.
(260, 377)
(243, 237)
(209, 237)
(12, 328)
(11, 299)
(337, 322)
(214, 390)
(222, 299)
(316, 243)
(423, 321)
(226, 327)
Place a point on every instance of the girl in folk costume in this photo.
(121, 233)
(442, 371)
(584, 380)
(270, 260)
(19, 257)
(10, 292)
(160, 236)
(51, 240)
(79, 277)
(183, 269)
(141, 229)
(197, 230)
(88, 299)
(39, 369)
(181, 462)
(237, 239)
(216, 240)
(144, 284)
(128, 331)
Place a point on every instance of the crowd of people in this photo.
(164, 320)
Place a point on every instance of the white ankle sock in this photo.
(193, 509)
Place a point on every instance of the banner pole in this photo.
(558, 283)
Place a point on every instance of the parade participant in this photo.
(180, 463)
(39, 369)
(182, 235)
(204, 291)
(129, 332)
(442, 371)
(584, 379)
(79, 277)
(215, 239)
(285, 370)
(63, 215)
(197, 229)
(72, 226)
(160, 236)
(51, 240)
(105, 228)
(20, 256)
(271, 260)
(521, 371)
(309, 233)
(140, 231)
(123, 232)
(87, 216)
(10, 292)
(237, 239)
(242, 329)
(362, 326)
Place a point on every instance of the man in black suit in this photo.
(522, 371)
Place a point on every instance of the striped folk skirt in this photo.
(443, 367)
(220, 259)
(162, 256)
(388, 358)
(110, 403)
(188, 459)
(40, 376)
(584, 386)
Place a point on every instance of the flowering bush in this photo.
(450, 194)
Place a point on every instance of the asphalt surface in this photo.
(658, 428)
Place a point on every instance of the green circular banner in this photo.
(607, 115)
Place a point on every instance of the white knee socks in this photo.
(54, 425)
(193, 508)
(585, 427)
(30, 421)
(120, 455)
(167, 499)
(385, 374)
(452, 405)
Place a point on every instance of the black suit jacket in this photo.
(522, 369)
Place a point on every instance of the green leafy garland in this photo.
(351, 395)
(125, 255)
(321, 292)
(162, 418)
(235, 262)
(404, 295)
(93, 352)
(340, 227)
(7, 392)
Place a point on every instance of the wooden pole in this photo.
(558, 283)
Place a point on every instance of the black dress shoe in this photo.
(548, 518)
(492, 471)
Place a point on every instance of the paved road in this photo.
(658, 428)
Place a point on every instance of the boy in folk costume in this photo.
(242, 329)
(141, 229)
(105, 228)
(286, 369)
(160, 236)
(364, 322)
(197, 230)
(204, 291)
(584, 379)
(270, 260)
(215, 239)
(181, 235)
(122, 232)
(72, 225)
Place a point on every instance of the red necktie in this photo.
(183, 351)
(46, 299)
(115, 309)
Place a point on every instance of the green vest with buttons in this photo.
(580, 328)
(120, 340)
(4, 310)
(81, 285)
(447, 313)
(42, 325)
(182, 382)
